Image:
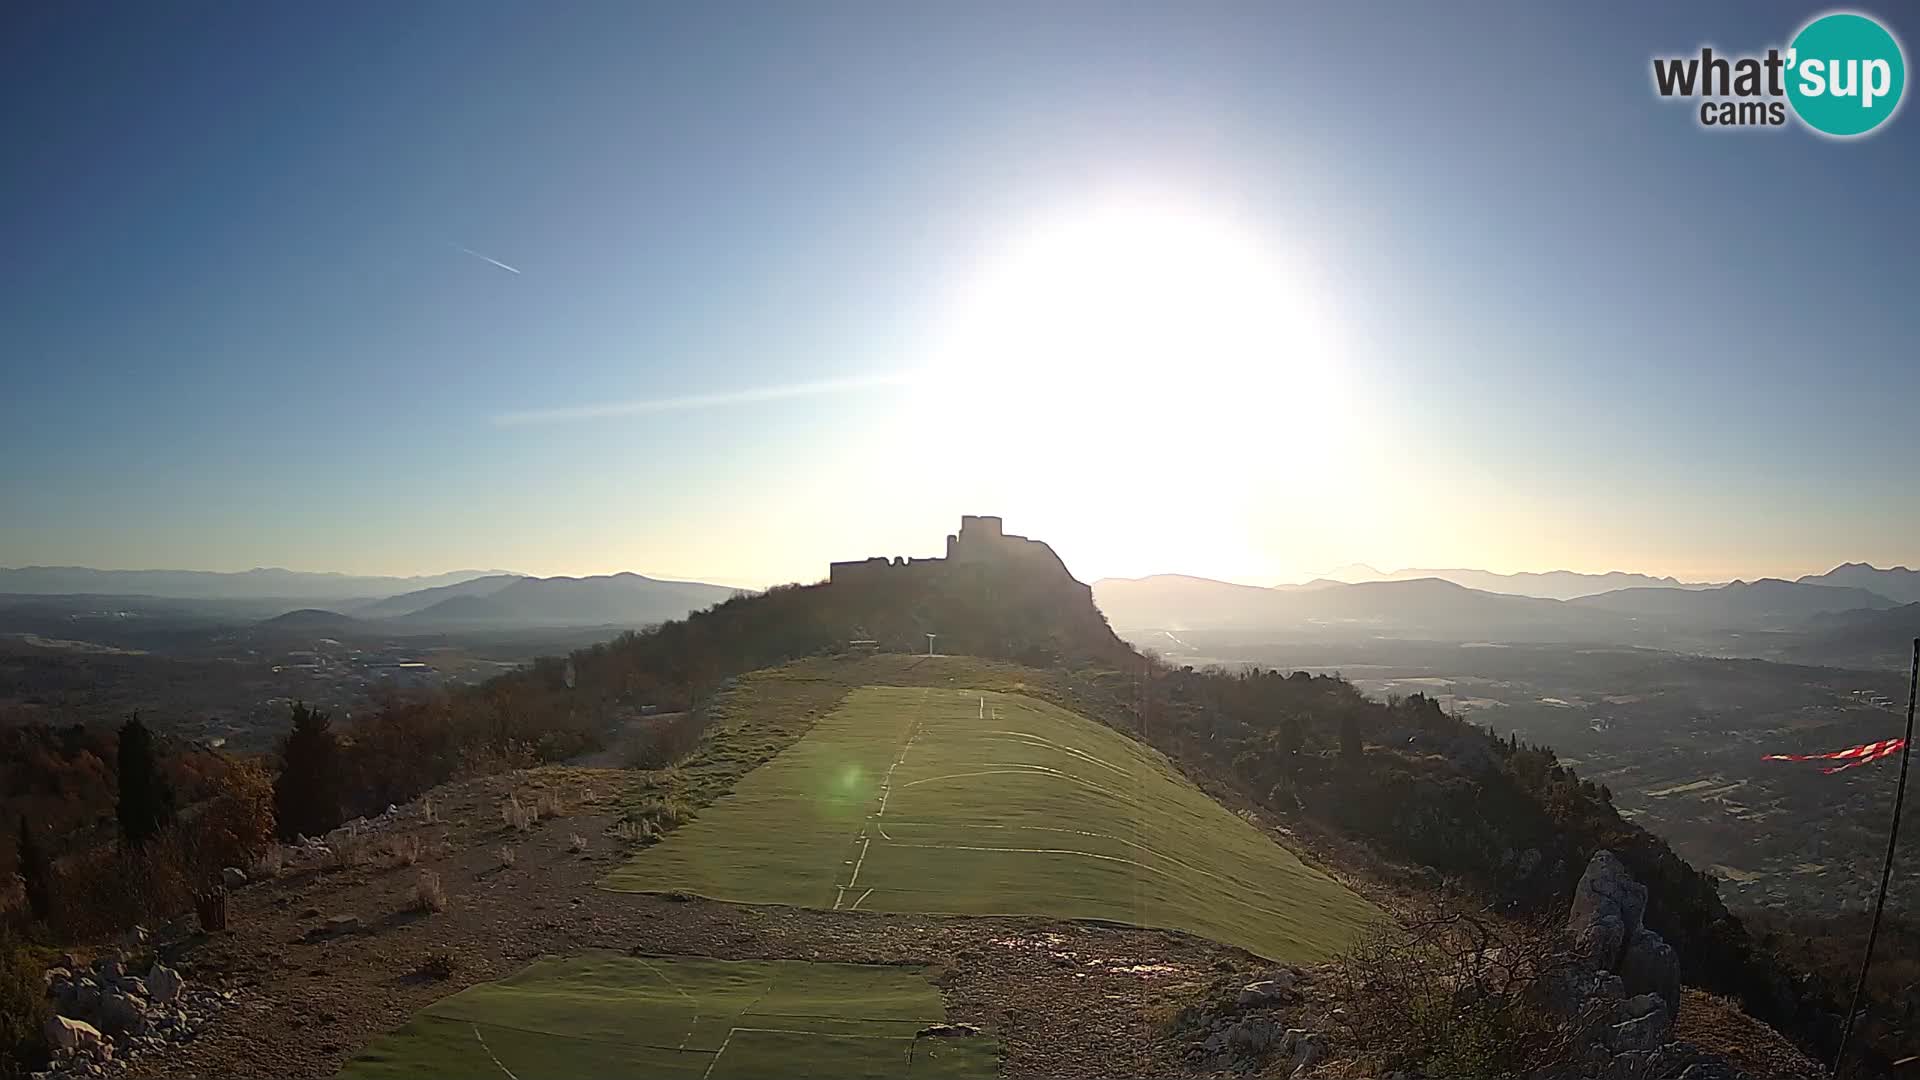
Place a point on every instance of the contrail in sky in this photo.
(704, 401)
(487, 258)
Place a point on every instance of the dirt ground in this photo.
(1067, 1000)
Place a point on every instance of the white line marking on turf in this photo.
(717, 1053)
(1051, 745)
(862, 900)
(665, 978)
(886, 792)
(829, 1034)
(482, 1040)
(1022, 768)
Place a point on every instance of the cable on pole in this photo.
(1886, 871)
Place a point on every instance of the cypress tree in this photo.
(1350, 744)
(146, 799)
(36, 872)
(306, 794)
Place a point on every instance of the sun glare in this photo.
(1141, 342)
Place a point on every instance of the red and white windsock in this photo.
(1851, 756)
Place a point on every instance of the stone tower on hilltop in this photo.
(981, 542)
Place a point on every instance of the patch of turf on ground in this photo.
(605, 1014)
(944, 800)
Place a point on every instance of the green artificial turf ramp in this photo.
(605, 1014)
(962, 802)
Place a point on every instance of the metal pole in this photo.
(1886, 871)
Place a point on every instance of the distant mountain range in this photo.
(509, 601)
(261, 583)
(1445, 610)
(291, 601)
(1765, 604)
(1897, 583)
(1423, 608)
(1551, 585)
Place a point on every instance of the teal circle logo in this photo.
(1845, 74)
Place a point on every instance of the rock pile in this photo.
(105, 1014)
(1249, 1034)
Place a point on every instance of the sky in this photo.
(729, 291)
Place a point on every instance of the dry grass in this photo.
(506, 856)
(270, 863)
(348, 851)
(405, 850)
(429, 895)
(427, 815)
(1719, 1025)
(576, 843)
(656, 815)
(548, 804)
(517, 815)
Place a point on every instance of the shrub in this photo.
(101, 892)
(23, 1007)
(429, 895)
(1453, 995)
(439, 964)
(236, 826)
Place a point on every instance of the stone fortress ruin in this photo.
(982, 542)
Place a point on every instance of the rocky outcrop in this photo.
(1621, 987)
(1607, 922)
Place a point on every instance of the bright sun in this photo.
(1136, 342)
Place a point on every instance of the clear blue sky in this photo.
(238, 326)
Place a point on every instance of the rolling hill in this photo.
(311, 620)
(608, 600)
(409, 602)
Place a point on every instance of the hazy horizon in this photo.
(1300, 577)
(622, 287)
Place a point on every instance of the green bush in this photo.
(23, 1006)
